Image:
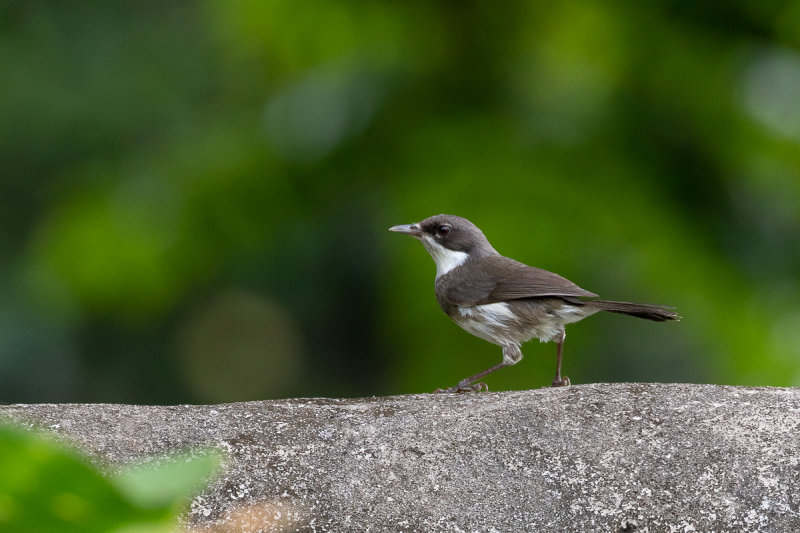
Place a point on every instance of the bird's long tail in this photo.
(658, 313)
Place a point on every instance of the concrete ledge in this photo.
(603, 457)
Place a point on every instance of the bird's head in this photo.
(449, 239)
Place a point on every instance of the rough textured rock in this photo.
(604, 457)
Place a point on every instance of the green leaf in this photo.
(47, 487)
(164, 483)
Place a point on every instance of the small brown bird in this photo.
(504, 301)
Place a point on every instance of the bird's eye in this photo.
(443, 230)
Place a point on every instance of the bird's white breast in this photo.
(445, 259)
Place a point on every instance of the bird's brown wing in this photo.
(497, 279)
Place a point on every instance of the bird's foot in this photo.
(560, 382)
(466, 387)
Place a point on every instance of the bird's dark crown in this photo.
(455, 233)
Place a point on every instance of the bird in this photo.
(504, 301)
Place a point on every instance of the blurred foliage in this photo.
(195, 195)
(46, 487)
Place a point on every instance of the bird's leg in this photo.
(558, 381)
(511, 355)
(469, 385)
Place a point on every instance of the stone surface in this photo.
(603, 457)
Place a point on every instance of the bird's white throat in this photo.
(445, 259)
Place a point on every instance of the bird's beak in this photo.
(409, 229)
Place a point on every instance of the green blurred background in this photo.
(194, 196)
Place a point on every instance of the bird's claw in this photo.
(560, 382)
(466, 387)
